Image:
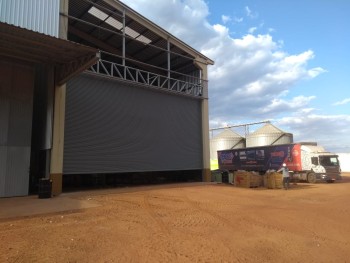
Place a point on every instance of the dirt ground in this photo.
(200, 223)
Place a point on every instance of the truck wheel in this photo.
(330, 181)
(311, 178)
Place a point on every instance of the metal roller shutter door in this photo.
(16, 104)
(112, 127)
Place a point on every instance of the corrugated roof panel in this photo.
(38, 15)
(144, 39)
(228, 133)
(130, 32)
(98, 13)
(268, 128)
(268, 135)
(114, 23)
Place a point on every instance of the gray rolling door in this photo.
(114, 127)
(16, 103)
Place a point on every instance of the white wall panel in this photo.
(344, 159)
(37, 15)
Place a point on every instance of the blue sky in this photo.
(286, 61)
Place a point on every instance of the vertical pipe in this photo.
(124, 43)
(200, 83)
(168, 58)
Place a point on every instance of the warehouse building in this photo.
(92, 91)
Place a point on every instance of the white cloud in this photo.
(330, 131)
(306, 110)
(296, 103)
(238, 19)
(182, 18)
(252, 72)
(225, 19)
(250, 13)
(342, 102)
(252, 30)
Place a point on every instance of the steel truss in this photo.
(192, 88)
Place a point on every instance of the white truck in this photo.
(323, 164)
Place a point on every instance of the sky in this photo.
(283, 61)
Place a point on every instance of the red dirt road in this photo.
(206, 223)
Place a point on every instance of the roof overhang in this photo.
(68, 58)
(115, 28)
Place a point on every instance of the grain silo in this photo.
(268, 135)
(227, 139)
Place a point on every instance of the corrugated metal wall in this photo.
(225, 140)
(37, 15)
(115, 127)
(16, 103)
(254, 140)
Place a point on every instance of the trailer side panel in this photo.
(261, 158)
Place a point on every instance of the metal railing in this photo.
(112, 69)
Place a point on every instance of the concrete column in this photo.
(206, 150)
(56, 164)
(56, 167)
(206, 174)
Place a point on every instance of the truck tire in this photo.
(311, 178)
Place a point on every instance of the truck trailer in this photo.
(306, 161)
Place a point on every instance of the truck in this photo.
(306, 161)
